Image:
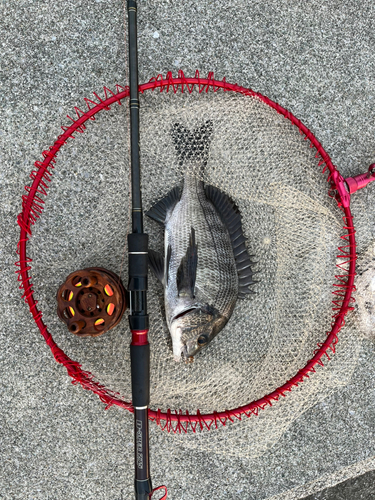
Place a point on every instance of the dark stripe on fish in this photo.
(169, 254)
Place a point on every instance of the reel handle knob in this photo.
(89, 280)
(77, 326)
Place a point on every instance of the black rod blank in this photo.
(137, 219)
(138, 268)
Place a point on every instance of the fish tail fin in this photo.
(192, 144)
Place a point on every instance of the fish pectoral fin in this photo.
(156, 263)
(160, 210)
(187, 270)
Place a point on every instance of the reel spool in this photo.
(91, 301)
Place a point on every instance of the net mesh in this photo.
(293, 229)
(365, 317)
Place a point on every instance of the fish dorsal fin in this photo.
(156, 263)
(160, 210)
(231, 217)
(187, 270)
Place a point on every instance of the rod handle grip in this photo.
(140, 372)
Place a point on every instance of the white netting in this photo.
(365, 284)
(293, 228)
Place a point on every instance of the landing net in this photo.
(280, 350)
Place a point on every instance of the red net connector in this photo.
(338, 184)
(348, 186)
(360, 181)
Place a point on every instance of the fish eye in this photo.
(202, 340)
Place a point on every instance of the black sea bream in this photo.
(206, 265)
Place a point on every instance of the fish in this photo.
(206, 266)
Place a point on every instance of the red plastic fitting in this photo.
(361, 180)
(342, 189)
(139, 337)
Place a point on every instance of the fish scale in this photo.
(216, 279)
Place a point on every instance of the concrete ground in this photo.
(316, 59)
(360, 488)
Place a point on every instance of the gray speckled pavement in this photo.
(360, 488)
(316, 59)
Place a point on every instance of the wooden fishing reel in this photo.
(91, 301)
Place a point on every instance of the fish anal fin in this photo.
(156, 263)
(187, 270)
(160, 210)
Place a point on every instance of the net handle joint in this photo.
(350, 185)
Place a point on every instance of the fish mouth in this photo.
(180, 353)
(184, 313)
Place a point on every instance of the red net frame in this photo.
(32, 208)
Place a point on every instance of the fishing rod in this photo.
(138, 268)
(138, 263)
